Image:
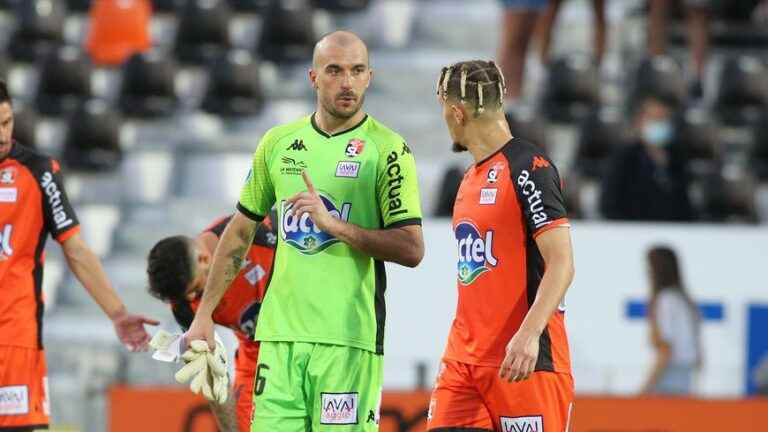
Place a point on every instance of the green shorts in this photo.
(303, 387)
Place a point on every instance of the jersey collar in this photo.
(321, 132)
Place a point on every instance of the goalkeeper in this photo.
(178, 268)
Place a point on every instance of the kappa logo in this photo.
(539, 162)
(8, 175)
(338, 409)
(406, 150)
(355, 146)
(522, 424)
(5, 242)
(475, 252)
(298, 145)
(14, 400)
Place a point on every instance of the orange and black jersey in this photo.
(33, 204)
(503, 204)
(240, 305)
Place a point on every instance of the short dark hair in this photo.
(478, 83)
(643, 99)
(5, 95)
(169, 268)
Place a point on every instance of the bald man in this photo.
(347, 198)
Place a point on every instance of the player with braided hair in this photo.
(506, 365)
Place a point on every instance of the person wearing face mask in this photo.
(647, 179)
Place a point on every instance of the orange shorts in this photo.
(23, 388)
(474, 398)
(243, 387)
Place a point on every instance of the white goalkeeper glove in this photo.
(218, 372)
(207, 370)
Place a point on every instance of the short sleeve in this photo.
(59, 216)
(538, 187)
(665, 315)
(258, 194)
(397, 185)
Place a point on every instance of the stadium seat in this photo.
(25, 126)
(729, 198)
(40, 29)
(661, 76)
(288, 33)
(149, 86)
(146, 176)
(118, 30)
(165, 6)
(79, 6)
(203, 33)
(524, 124)
(759, 153)
(234, 89)
(698, 137)
(572, 89)
(223, 173)
(65, 82)
(93, 138)
(449, 187)
(341, 5)
(742, 95)
(601, 133)
(256, 6)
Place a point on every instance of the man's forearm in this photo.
(226, 413)
(557, 277)
(87, 268)
(227, 262)
(394, 245)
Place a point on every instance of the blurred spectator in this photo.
(119, 29)
(647, 179)
(518, 23)
(675, 327)
(547, 23)
(697, 21)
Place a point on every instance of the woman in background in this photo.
(675, 327)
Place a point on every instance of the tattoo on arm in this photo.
(237, 254)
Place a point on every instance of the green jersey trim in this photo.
(327, 135)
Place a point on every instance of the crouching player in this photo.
(178, 267)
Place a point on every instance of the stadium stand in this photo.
(743, 90)
(288, 33)
(40, 29)
(234, 88)
(92, 142)
(203, 31)
(572, 89)
(148, 88)
(64, 83)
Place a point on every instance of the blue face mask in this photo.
(657, 133)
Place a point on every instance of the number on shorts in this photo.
(260, 380)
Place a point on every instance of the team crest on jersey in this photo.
(354, 147)
(475, 252)
(303, 234)
(494, 172)
(8, 175)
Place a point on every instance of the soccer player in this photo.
(506, 366)
(178, 267)
(347, 197)
(33, 204)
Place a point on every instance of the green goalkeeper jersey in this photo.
(321, 289)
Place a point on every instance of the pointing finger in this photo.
(308, 182)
